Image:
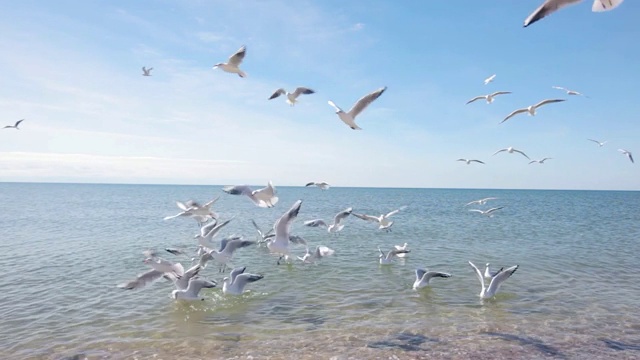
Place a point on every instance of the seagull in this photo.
(193, 289)
(496, 281)
(481, 201)
(262, 235)
(539, 161)
(237, 280)
(322, 185)
(264, 198)
(232, 65)
(320, 252)
(569, 92)
(423, 277)
(146, 72)
(337, 220)
(208, 232)
(227, 247)
(202, 213)
(14, 126)
(488, 274)
(315, 223)
(488, 97)
(280, 244)
(488, 212)
(162, 265)
(628, 153)
(469, 161)
(551, 6)
(489, 79)
(387, 259)
(403, 247)
(349, 118)
(601, 144)
(291, 97)
(382, 220)
(531, 109)
(511, 150)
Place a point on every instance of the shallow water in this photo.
(575, 295)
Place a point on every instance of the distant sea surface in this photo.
(576, 295)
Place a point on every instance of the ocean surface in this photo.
(576, 295)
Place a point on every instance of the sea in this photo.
(575, 295)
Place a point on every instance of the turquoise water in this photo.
(576, 294)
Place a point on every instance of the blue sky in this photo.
(72, 70)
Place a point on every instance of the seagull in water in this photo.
(382, 220)
(489, 79)
(488, 212)
(232, 65)
(280, 244)
(228, 246)
(531, 109)
(322, 185)
(496, 281)
(144, 279)
(569, 92)
(551, 6)
(14, 126)
(349, 118)
(338, 219)
(386, 259)
(264, 198)
(237, 280)
(291, 97)
(481, 201)
(403, 247)
(469, 161)
(488, 97)
(192, 291)
(511, 150)
(146, 72)
(320, 252)
(628, 153)
(208, 232)
(539, 161)
(423, 277)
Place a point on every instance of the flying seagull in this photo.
(146, 72)
(382, 220)
(338, 219)
(264, 198)
(569, 92)
(320, 252)
(291, 97)
(488, 97)
(628, 153)
(540, 161)
(481, 201)
(322, 185)
(349, 117)
(511, 150)
(14, 126)
(237, 280)
(496, 281)
(469, 161)
(489, 212)
(551, 6)
(227, 248)
(531, 109)
(601, 144)
(489, 79)
(423, 277)
(232, 65)
(280, 244)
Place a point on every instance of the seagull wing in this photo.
(208, 227)
(476, 210)
(283, 224)
(342, 214)
(323, 251)
(478, 274)
(142, 280)
(489, 79)
(18, 123)
(476, 98)
(499, 151)
(310, 184)
(548, 101)
(493, 209)
(500, 277)
(605, 5)
(232, 245)
(514, 113)
(478, 161)
(235, 272)
(431, 274)
(547, 8)
(395, 211)
(525, 155)
(420, 273)
(302, 91)
(237, 58)
(365, 217)
(296, 239)
(334, 105)
(237, 190)
(560, 88)
(277, 93)
(500, 93)
(364, 101)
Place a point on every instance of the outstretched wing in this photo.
(547, 8)
(237, 58)
(514, 113)
(302, 91)
(277, 93)
(364, 101)
(475, 98)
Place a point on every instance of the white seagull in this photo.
(315, 223)
(551, 6)
(14, 126)
(423, 277)
(386, 259)
(403, 247)
(193, 290)
(532, 108)
(511, 150)
(469, 161)
(337, 220)
(144, 279)
(320, 252)
(488, 97)
(232, 65)
(601, 144)
(162, 265)
(382, 220)
(264, 198)
(628, 153)
(208, 232)
(237, 280)
(322, 185)
(489, 79)
(481, 201)
(496, 281)
(261, 235)
(201, 213)
(228, 246)
(146, 72)
(291, 97)
(280, 244)
(540, 161)
(349, 118)
(569, 92)
(488, 212)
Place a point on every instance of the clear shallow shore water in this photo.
(576, 294)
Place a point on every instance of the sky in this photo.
(72, 70)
